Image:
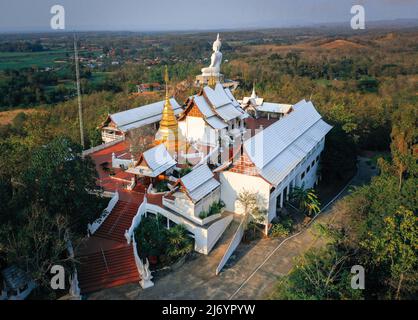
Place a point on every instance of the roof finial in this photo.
(254, 95)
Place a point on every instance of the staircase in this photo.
(114, 227)
(106, 269)
(114, 265)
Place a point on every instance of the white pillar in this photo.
(281, 199)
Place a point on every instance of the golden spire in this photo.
(168, 131)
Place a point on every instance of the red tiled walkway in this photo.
(106, 269)
(107, 260)
(114, 227)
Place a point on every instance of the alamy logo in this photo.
(358, 280)
(58, 280)
(58, 20)
(358, 21)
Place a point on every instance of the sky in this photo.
(163, 15)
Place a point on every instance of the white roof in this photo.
(216, 123)
(217, 96)
(274, 107)
(203, 106)
(141, 116)
(222, 106)
(158, 160)
(294, 137)
(228, 112)
(211, 118)
(255, 101)
(199, 182)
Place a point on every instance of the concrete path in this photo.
(196, 279)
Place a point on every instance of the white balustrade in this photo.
(92, 227)
(136, 220)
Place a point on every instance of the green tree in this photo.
(59, 179)
(396, 246)
(37, 242)
(252, 212)
(321, 274)
(404, 136)
(307, 200)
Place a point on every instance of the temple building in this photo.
(205, 153)
(213, 117)
(117, 125)
(258, 108)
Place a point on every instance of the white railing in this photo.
(129, 234)
(125, 163)
(101, 147)
(143, 269)
(236, 240)
(132, 185)
(92, 227)
(136, 255)
(109, 136)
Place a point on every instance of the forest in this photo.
(365, 85)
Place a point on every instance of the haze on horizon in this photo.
(166, 15)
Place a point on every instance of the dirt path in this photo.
(197, 280)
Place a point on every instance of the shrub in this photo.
(178, 242)
(161, 186)
(279, 231)
(203, 215)
(167, 244)
(215, 208)
(151, 236)
(282, 229)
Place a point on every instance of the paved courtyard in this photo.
(196, 279)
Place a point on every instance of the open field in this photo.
(6, 117)
(42, 59)
(19, 60)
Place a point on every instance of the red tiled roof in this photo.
(123, 175)
(244, 165)
(254, 124)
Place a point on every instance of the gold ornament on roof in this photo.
(168, 131)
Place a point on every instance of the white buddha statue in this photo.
(216, 59)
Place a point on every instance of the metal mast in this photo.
(80, 108)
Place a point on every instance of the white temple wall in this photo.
(206, 202)
(310, 177)
(196, 129)
(232, 184)
(204, 238)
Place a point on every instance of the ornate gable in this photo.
(192, 110)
